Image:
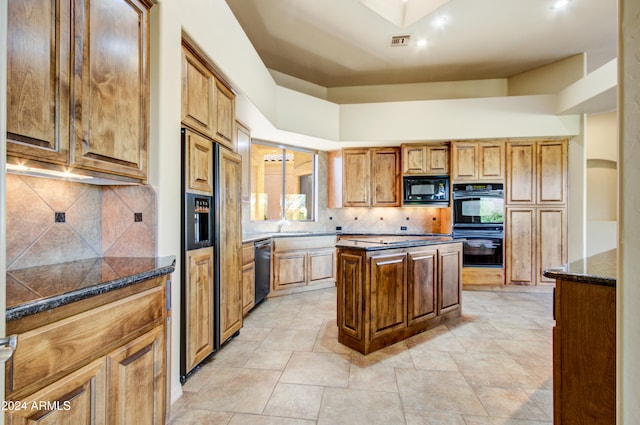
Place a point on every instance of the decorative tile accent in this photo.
(60, 217)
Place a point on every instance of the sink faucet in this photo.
(281, 224)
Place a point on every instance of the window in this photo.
(282, 183)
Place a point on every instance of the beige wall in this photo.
(548, 79)
(628, 287)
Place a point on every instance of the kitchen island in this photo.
(584, 340)
(393, 287)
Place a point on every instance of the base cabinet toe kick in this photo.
(388, 295)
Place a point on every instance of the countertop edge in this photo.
(44, 304)
(580, 277)
(598, 269)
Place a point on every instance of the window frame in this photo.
(314, 201)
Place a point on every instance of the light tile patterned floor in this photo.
(492, 367)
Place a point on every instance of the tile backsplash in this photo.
(51, 221)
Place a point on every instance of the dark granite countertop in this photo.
(36, 289)
(599, 269)
(377, 243)
(254, 237)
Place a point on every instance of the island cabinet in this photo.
(477, 161)
(385, 296)
(425, 159)
(368, 177)
(535, 210)
(302, 263)
(73, 102)
(95, 361)
(208, 105)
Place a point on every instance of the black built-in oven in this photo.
(478, 217)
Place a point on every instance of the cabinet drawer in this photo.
(248, 253)
(49, 352)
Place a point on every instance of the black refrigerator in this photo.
(200, 286)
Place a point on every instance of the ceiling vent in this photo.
(400, 40)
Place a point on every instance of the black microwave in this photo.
(421, 190)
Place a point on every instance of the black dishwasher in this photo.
(263, 269)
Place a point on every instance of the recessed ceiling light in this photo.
(559, 4)
(440, 21)
(421, 43)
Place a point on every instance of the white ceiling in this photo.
(335, 43)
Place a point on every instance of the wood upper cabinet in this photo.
(199, 151)
(225, 115)
(73, 100)
(477, 161)
(425, 159)
(243, 148)
(199, 311)
(537, 172)
(248, 277)
(208, 106)
(198, 99)
(385, 177)
(356, 175)
(38, 80)
(230, 251)
(364, 178)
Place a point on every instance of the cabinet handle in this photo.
(7, 347)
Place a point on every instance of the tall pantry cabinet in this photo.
(535, 210)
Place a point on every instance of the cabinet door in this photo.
(356, 183)
(521, 173)
(385, 177)
(200, 166)
(79, 399)
(422, 286)
(322, 265)
(137, 386)
(552, 172)
(551, 246)
(243, 148)
(388, 296)
(289, 269)
(248, 278)
(491, 161)
(450, 280)
(225, 115)
(199, 311)
(351, 317)
(438, 160)
(520, 257)
(230, 248)
(38, 78)
(198, 85)
(111, 100)
(414, 159)
(465, 160)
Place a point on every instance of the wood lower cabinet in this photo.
(101, 361)
(248, 278)
(584, 354)
(425, 159)
(364, 178)
(387, 296)
(230, 248)
(199, 310)
(477, 161)
(63, 70)
(302, 263)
